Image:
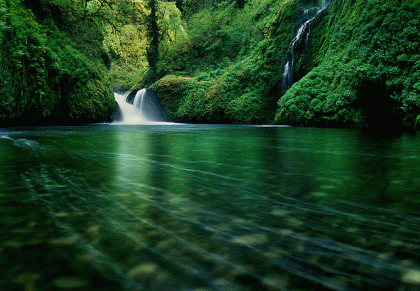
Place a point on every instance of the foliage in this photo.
(234, 55)
(212, 60)
(53, 68)
(363, 62)
(128, 51)
(359, 68)
(170, 91)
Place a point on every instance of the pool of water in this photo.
(208, 207)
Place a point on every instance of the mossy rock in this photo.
(169, 92)
(215, 101)
(204, 101)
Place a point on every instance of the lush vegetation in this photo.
(361, 68)
(234, 55)
(218, 61)
(53, 68)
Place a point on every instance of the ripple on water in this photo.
(326, 245)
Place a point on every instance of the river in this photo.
(208, 207)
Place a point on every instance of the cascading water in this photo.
(305, 28)
(139, 101)
(142, 111)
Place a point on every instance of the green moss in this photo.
(237, 85)
(360, 68)
(204, 100)
(170, 92)
(249, 108)
(53, 68)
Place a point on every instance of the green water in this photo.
(208, 207)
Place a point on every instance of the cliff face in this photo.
(52, 67)
(356, 65)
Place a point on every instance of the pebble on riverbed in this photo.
(13, 244)
(280, 212)
(411, 276)
(276, 282)
(27, 278)
(64, 241)
(251, 239)
(61, 214)
(87, 257)
(70, 283)
(143, 270)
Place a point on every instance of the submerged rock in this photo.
(70, 283)
(276, 282)
(411, 276)
(143, 270)
(13, 244)
(61, 214)
(27, 278)
(64, 241)
(251, 239)
(280, 212)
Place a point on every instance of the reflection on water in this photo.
(208, 208)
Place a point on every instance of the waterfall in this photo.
(145, 108)
(305, 28)
(139, 101)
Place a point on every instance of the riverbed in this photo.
(208, 207)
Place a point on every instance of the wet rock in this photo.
(286, 231)
(161, 281)
(61, 214)
(64, 241)
(13, 244)
(165, 244)
(276, 282)
(87, 257)
(251, 239)
(93, 228)
(22, 230)
(280, 212)
(27, 278)
(70, 283)
(352, 229)
(337, 283)
(396, 243)
(222, 283)
(143, 270)
(411, 276)
(238, 221)
(295, 222)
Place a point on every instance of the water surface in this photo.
(208, 207)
